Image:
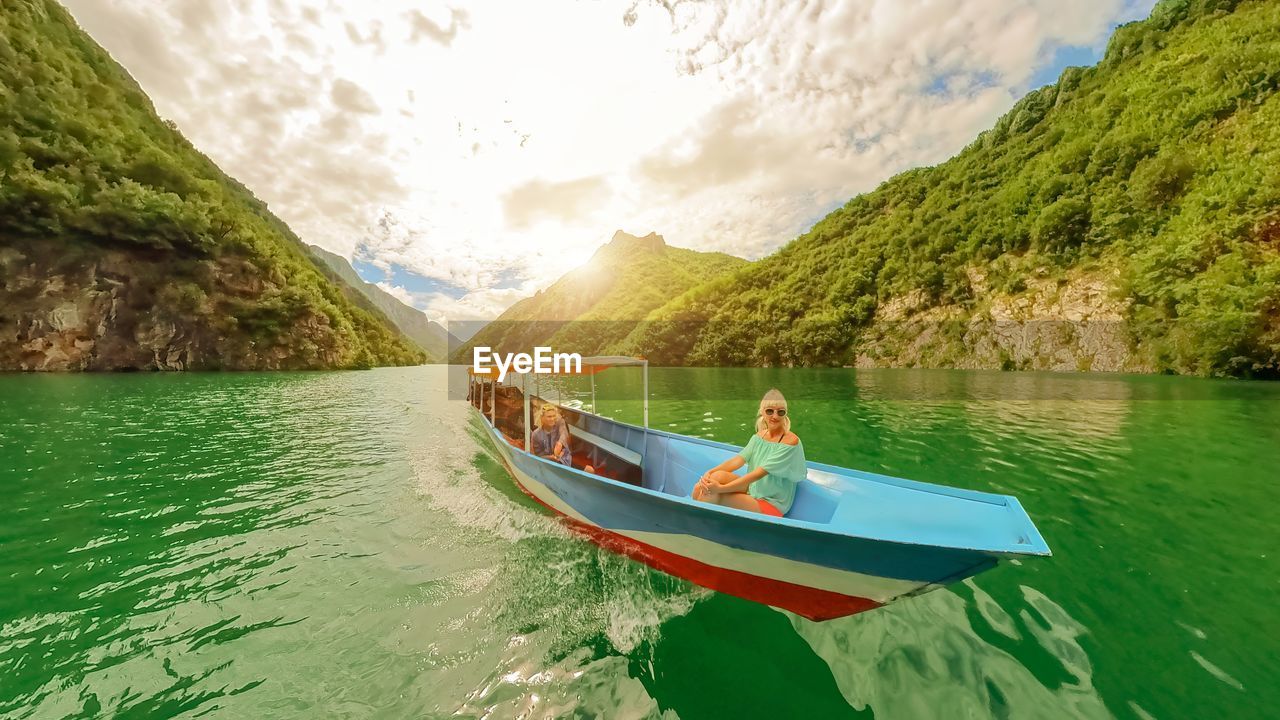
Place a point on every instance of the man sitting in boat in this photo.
(551, 439)
(774, 459)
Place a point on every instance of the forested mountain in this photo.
(1125, 218)
(601, 302)
(429, 335)
(123, 247)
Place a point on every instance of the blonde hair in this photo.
(772, 399)
(560, 422)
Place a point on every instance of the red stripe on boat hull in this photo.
(812, 603)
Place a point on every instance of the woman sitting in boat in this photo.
(551, 439)
(774, 459)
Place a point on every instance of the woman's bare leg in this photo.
(706, 497)
(719, 476)
(741, 501)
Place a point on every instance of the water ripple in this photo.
(285, 545)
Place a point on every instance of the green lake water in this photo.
(343, 545)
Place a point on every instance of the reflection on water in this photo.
(929, 658)
(344, 544)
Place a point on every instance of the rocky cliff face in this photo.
(1159, 164)
(1068, 324)
(123, 247)
(127, 310)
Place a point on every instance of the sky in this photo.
(465, 155)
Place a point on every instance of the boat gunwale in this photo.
(1038, 546)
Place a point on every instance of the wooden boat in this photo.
(852, 541)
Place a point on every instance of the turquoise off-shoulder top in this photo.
(785, 467)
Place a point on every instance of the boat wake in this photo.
(567, 615)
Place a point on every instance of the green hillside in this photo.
(1154, 175)
(123, 247)
(601, 302)
(428, 335)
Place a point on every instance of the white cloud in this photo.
(352, 98)
(460, 315)
(494, 148)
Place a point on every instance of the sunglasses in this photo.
(782, 412)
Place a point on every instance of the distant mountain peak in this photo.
(652, 242)
(593, 307)
(427, 334)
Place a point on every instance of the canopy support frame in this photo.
(646, 395)
(528, 420)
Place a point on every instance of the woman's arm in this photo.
(563, 441)
(741, 484)
(729, 465)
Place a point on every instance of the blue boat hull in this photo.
(815, 562)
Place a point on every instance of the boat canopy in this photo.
(604, 362)
(590, 366)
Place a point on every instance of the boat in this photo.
(853, 541)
